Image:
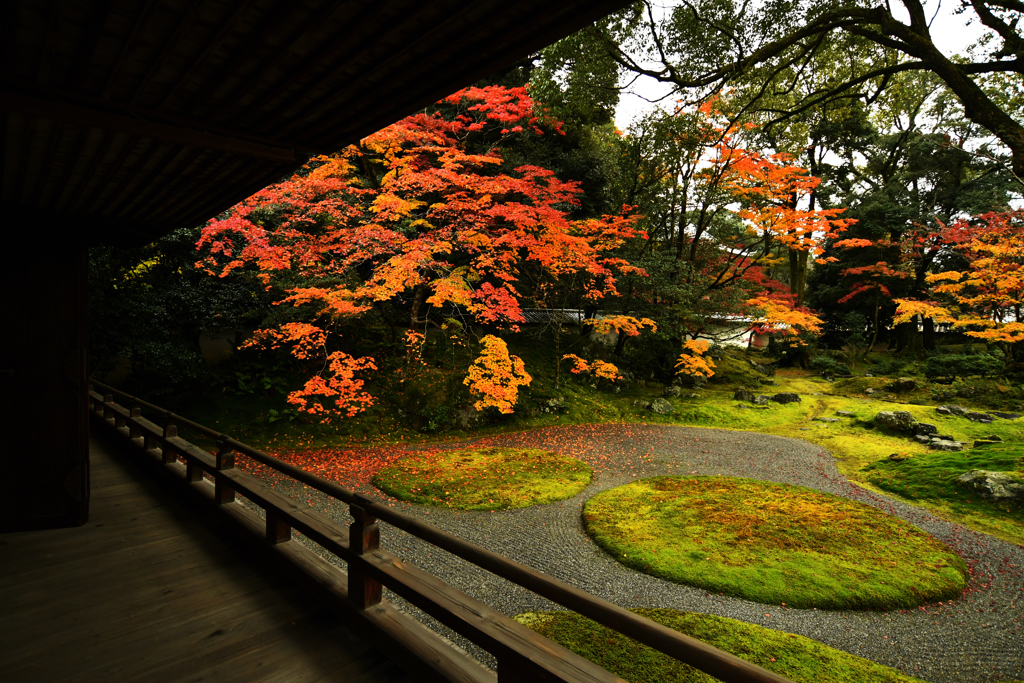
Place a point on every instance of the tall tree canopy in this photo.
(771, 49)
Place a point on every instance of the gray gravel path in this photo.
(977, 637)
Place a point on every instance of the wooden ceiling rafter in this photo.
(126, 45)
(419, 46)
(54, 199)
(87, 49)
(212, 45)
(187, 17)
(103, 140)
(120, 147)
(312, 67)
(137, 124)
(145, 115)
(264, 31)
(187, 161)
(203, 166)
(46, 164)
(324, 17)
(159, 156)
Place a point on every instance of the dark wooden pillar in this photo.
(44, 428)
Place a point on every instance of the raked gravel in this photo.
(977, 637)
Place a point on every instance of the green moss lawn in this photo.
(798, 658)
(484, 478)
(772, 543)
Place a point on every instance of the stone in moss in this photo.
(994, 485)
(661, 406)
(786, 397)
(896, 420)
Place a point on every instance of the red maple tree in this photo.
(422, 213)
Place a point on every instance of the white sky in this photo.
(950, 32)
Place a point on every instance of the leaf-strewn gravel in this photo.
(977, 637)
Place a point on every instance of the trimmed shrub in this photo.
(950, 367)
(827, 366)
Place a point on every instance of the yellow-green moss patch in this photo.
(798, 658)
(773, 543)
(484, 478)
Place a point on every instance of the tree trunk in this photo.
(908, 341)
(929, 334)
(418, 300)
(797, 274)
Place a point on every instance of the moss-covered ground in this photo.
(418, 407)
(798, 658)
(484, 478)
(931, 478)
(772, 543)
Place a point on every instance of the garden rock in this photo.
(900, 457)
(845, 413)
(761, 400)
(924, 428)
(786, 397)
(660, 406)
(944, 445)
(984, 418)
(743, 395)
(1005, 416)
(671, 392)
(896, 420)
(690, 381)
(826, 419)
(992, 484)
(994, 438)
(923, 438)
(951, 410)
(551, 405)
(901, 385)
(641, 404)
(467, 418)
(869, 391)
(691, 395)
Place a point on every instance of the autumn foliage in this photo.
(984, 300)
(412, 217)
(692, 361)
(496, 376)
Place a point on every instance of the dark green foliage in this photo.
(950, 367)
(827, 366)
(148, 306)
(890, 366)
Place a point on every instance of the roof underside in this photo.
(129, 118)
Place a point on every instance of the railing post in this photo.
(223, 493)
(170, 455)
(278, 530)
(363, 536)
(134, 430)
(108, 410)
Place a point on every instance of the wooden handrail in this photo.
(520, 652)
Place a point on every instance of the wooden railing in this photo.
(521, 653)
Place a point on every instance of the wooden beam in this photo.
(81, 115)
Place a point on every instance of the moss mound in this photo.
(772, 543)
(798, 658)
(484, 478)
(931, 477)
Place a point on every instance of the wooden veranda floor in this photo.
(147, 590)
